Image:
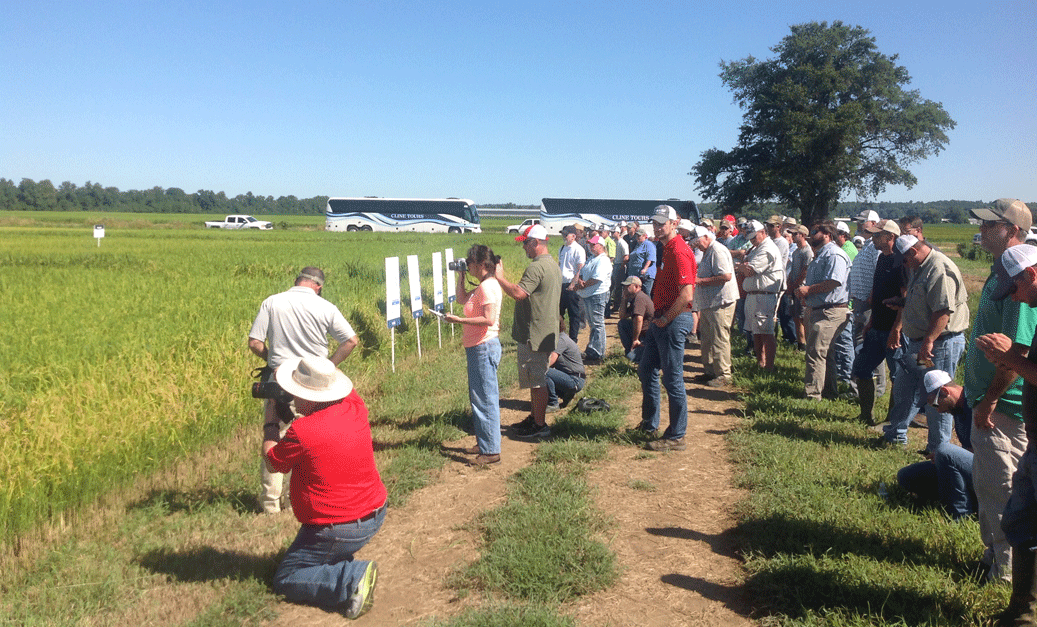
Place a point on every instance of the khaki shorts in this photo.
(532, 367)
(760, 312)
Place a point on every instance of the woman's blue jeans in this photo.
(319, 568)
(596, 314)
(484, 394)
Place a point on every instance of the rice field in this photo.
(120, 358)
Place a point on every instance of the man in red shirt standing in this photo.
(664, 342)
(336, 491)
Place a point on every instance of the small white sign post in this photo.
(99, 233)
(392, 301)
(415, 294)
(451, 278)
(437, 292)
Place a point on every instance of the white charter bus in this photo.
(556, 213)
(397, 215)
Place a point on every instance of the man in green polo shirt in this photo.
(995, 392)
(535, 326)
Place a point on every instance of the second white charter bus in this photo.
(398, 215)
(556, 213)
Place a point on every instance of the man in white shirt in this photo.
(571, 257)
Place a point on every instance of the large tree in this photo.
(828, 115)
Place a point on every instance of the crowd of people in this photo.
(874, 308)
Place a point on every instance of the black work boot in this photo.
(866, 396)
(1022, 606)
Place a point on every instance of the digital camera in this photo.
(270, 389)
(460, 265)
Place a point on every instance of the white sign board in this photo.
(392, 292)
(451, 277)
(437, 281)
(415, 285)
(98, 231)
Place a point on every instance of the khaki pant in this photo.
(823, 326)
(272, 482)
(996, 454)
(715, 334)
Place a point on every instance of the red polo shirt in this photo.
(330, 454)
(676, 270)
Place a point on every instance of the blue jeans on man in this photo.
(319, 568)
(484, 394)
(909, 391)
(570, 305)
(625, 326)
(561, 385)
(595, 305)
(946, 479)
(664, 351)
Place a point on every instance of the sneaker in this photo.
(534, 432)
(881, 443)
(703, 378)
(666, 444)
(553, 407)
(362, 600)
(719, 382)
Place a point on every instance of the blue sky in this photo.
(491, 101)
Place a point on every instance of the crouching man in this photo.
(335, 489)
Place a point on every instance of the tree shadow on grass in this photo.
(797, 587)
(785, 535)
(208, 564)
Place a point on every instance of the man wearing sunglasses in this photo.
(995, 393)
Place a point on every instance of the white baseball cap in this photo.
(1009, 266)
(934, 380)
(536, 231)
(904, 242)
(842, 226)
(664, 213)
(868, 216)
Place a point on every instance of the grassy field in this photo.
(127, 359)
(122, 357)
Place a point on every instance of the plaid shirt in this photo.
(862, 272)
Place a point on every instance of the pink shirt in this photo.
(488, 292)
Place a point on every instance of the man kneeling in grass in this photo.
(336, 491)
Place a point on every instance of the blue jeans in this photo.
(484, 394)
(947, 479)
(842, 348)
(872, 353)
(909, 392)
(785, 321)
(561, 384)
(595, 305)
(625, 326)
(570, 305)
(664, 350)
(319, 568)
(1019, 522)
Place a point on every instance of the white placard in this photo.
(392, 292)
(98, 231)
(451, 277)
(437, 281)
(414, 275)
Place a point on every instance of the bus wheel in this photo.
(365, 228)
(454, 229)
(351, 228)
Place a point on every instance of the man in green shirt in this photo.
(995, 392)
(535, 326)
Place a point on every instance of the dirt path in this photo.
(673, 514)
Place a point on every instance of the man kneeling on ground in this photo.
(336, 491)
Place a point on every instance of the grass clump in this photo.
(508, 615)
(540, 545)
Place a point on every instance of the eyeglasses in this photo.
(989, 224)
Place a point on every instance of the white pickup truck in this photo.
(240, 222)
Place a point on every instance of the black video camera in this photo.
(270, 389)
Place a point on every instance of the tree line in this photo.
(30, 195)
(933, 212)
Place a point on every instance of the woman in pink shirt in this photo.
(481, 326)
